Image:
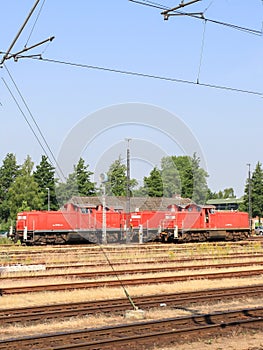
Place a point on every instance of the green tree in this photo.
(154, 184)
(44, 175)
(24, 191)
(170, 177)
(183, 175)
(85, 186)
(8, 172)
(256, 188)
(211, 195)
(117, 180)
(140, 192)
(184, 168)
(229, 193)
(77, 184)
(65, 191)
(226, 193)
(200, 187)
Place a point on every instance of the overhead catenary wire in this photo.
(145, 75)
(25, 117)
(34, 25)
(54, 162)
(44, 150)
(151, 4)
(209, 5)
(201, 54)
(113, 71)
(19, 32)
(198, 16)
(202, 44)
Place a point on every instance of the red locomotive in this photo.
(91, 223)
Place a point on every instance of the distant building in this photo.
(226, 204)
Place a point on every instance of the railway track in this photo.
(115, 262)
(128, 282)
(116, 249)
(119, 305)
(95, 275)
(146, 334)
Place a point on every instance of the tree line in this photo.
(35, 187)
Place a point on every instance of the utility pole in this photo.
(128, 193)
(104, 179)
(249, 198)
(48, 199)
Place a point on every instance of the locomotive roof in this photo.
(136, 203)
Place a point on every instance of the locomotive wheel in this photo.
(202, 237)
(229, 236)
(186, 237)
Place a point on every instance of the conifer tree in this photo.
(8, 172)
(24, 191)
(117, 180)
(170, 177)
(44, 175)
(154, 184)
(78, 183)
(256, 190)
(85, 186)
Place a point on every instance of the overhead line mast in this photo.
(128, 192)
(6, 55)
(19, 32)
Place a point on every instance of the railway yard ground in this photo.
(151, 296)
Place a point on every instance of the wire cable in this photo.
(209, 5)
(33, 27)
(197, 16)
(151, 4)
(25, 117)
(202, 51)
(43, 148)
(36, 125)
(119, 280)
(145, 75)
(19, 32)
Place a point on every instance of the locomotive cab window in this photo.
(86, 211)
(206, 216)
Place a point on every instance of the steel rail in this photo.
(146, 333)
(96, 274)
(168, 259)
(117, 248)
(137, 259)
(127, 282)
(119, 305)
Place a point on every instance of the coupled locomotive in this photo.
(95, 224)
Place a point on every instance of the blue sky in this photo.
(126, 36)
